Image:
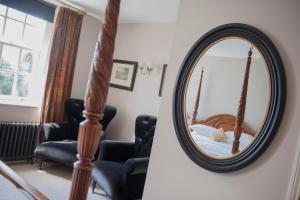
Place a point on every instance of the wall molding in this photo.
(293, 192)
(75, 7)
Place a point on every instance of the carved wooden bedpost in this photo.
(197, 99)
(95, 99)
(242, 107)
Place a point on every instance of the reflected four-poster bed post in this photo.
(95, 99)
(197, 98)
(242, 107)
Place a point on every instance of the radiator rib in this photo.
(17, 140)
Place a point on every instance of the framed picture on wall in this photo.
(123, 74)
(162, 80)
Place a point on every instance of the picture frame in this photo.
(123, 74)
(162, 80)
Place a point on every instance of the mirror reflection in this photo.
(227, 97)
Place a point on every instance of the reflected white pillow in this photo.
(219, 136)
(204, 130)
(245, 138)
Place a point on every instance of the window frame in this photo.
(40, 56)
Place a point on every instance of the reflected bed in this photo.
(203, 136)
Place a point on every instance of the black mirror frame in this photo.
(277, 99)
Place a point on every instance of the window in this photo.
(22, 39)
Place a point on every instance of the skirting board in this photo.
(294, 185)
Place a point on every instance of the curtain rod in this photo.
(68, 5)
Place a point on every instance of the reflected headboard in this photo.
(224, 121)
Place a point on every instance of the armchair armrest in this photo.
(135, 166)
(134, 176)
(117, 151)
(55, 131)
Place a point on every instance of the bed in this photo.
(203, 132)
(237, 133)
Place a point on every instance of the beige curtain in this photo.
(61, 65)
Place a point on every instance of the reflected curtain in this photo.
(61, 65)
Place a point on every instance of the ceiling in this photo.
(134, 11)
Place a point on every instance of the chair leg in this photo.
(40, 163)
(32, 161)
(93, 186)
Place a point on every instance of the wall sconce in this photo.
(146, 68)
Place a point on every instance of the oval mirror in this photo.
(229, 97)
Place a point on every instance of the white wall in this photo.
(87, 42)
(171, 174)
(139, 42)
(12, 113)
(135, 42)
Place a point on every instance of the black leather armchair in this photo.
(122, 166)
(58, 141)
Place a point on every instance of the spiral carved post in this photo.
(242, 107)
(95, 99)
(197, 98)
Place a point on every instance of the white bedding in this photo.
(202, 136)
(8, 191)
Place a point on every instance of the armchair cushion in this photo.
(59, 151)
(135, 166)
(55, 131)
(117, 151)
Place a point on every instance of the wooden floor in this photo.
(54, 180)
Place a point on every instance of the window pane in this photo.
(22, 86)
(15, 14)
(6, 83)
(13, 30)
(33, 36)
(26, 61)
(2, 9)
(10, 57)
(35, 21)
(1, 24)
